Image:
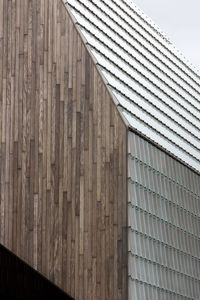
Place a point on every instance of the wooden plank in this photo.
(103, 265)
(57, 143)
(44, 231)
(58, 53)
(4, 96)
(50, 35)
(10, 233)
(94, 214)
(76, 246)
(81, 278)
(69, 248)
(62, 154)
(81, 241)
(40, 213)
(5, 38)
(20, 105)
(62, 67)
(23, 205)
(78, 149)
(3, 187)
(49, 100)
(64, 241)
(46, 18)
(35, 232)
(58, 271)
(86, 104)
(78, 73)
(15, 193)
(21, 26)
(31, 203)
(1, 20)
(90, 152)
(1, 89)
(65, 137)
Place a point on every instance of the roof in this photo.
(157, 89)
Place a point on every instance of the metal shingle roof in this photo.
(157, 89)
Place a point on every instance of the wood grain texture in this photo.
(63, 154)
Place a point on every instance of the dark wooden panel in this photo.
(63, 154)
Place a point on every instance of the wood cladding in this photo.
(63, 154)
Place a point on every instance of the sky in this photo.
(180, 21)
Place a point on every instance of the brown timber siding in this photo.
(63, 154)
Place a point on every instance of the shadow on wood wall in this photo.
(19, 281)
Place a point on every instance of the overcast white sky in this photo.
(180, 21)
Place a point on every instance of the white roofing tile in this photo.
(157, 88)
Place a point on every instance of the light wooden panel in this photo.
(63, 154)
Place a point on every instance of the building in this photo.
(99, 151)
(18, 281)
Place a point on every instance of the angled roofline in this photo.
(114, 99)
(163, 149)
(116, 102)
(157, 29)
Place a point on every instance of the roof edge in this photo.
(132, 129)
(112, 96)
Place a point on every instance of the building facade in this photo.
(100, 150)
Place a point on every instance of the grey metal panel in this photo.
(165, 165)
(164, 225)
(157, 89)
(152, 133)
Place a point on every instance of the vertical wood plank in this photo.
(62, 154)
